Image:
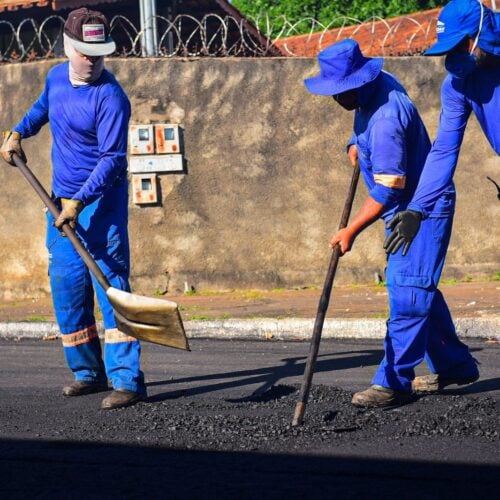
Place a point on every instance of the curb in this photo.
(269, 329)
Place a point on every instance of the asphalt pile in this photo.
(262, 422)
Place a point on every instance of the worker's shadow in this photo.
(267, 377)
(487, 385)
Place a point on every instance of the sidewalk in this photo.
(354, 312)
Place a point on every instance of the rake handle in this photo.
(300, 408)
(66, 228)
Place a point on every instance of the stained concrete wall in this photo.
(265, 183)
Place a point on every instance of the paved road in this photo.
(216, 425)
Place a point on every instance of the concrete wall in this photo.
(265, 183)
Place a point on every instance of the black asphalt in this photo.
(217, 425)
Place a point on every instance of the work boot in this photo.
(436, 382)
(120, 398)
(379, 397)
(81, 388)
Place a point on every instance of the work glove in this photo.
(12, 144)
(405, 226)
(69, 213)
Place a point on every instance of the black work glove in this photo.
(405, 226)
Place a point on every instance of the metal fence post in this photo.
(149, 30)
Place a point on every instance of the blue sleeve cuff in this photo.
(418, 208)
(20, 130)
(385, 195)
(351, 142)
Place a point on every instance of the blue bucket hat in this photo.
(489, 38)
(457, 20)
(343, 67)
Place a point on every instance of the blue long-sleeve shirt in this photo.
(480, 93)
(392, 142)
(89, 126)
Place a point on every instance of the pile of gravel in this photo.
(255, 423)
(264, 422)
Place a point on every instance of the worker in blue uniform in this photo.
(88, 112)
(390, 143)
(468, 34)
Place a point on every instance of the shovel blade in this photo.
(148, 319)
(156, 334)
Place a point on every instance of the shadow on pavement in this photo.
(58, 469)
(270, 376)
(488, 385)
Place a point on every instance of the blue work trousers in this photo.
(420, 325)
(102, 227)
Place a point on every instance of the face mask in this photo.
(460, 65)
(348, 100)
(82, 71)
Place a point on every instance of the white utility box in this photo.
(141, 139)
(156, 163)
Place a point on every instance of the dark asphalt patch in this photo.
(261, 423)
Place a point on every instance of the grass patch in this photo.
(189, 308)
(208, 293)
(206, 317)
(251, 294)
(455, 281)
(236, 294)
(35, 319)
(381, 315)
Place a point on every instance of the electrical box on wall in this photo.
(153, 148)
(141, 138)
(156, 163)
(167, 138)
(144, 189)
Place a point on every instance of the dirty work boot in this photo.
(120, 398)
(379, 397)
(436, 382)
(81, 388)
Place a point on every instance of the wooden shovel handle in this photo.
(66, 228)
(300, 408)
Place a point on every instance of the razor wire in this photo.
(217, 36)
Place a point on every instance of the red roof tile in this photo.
(403, 35)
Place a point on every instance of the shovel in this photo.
(144, 318)
(300, 408)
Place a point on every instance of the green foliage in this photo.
(200, 317)
(36, 319)
(329, 13)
